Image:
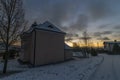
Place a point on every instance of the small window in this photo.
(50, 26)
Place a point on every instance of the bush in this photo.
(11, 54)
(116, 49)
(1, 54)
(93, 52)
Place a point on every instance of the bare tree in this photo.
(85, 38)
(11, 24)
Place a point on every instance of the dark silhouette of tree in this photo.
(116, 48)
(75, 45)
(11, 24)
(85, 38)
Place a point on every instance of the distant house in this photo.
(108, 46)
(43, 44)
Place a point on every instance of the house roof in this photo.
(67, 47)
(47, 26)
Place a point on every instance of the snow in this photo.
(13, 65)
(80, 69)
(108, 69)
(45, 26)
(77, 54)
(102, 67)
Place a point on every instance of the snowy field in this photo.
(80, 69)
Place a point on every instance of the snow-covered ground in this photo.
(108, 70)
(13, 65)
(80, 69)
(78, 54)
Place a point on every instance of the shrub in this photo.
(11, 54)
(116, 49)
(1, 54)
(93, 52)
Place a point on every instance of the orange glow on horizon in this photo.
(95, 44)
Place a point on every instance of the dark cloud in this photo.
(104, 26)
(102, 35)
(75, 14)
(103, 38)
(99, 34)
(116, 27)
(57, 11)
(81, 23)
(71, 36)
(106, 32)
(64, 28)
(98, 9)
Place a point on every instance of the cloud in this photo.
(103, 38)
(106, 32)
(99, 34)
(57, 11)
(81, 23)
(75, 14)
(103, 35)
(70, 36)
(99, 9)
(116, 27)
(104, 26)
(116, 36)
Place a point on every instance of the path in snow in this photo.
(108, 70)
(71, 70)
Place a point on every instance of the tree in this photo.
(85, 38)
(75, 45)
(11, 24)
(116, 48)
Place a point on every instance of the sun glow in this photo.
(96, 44)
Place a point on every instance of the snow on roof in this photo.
(49, 26)
(45, 26)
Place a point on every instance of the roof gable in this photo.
(45, 26)
(49, 27)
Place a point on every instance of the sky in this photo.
(100, 18)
